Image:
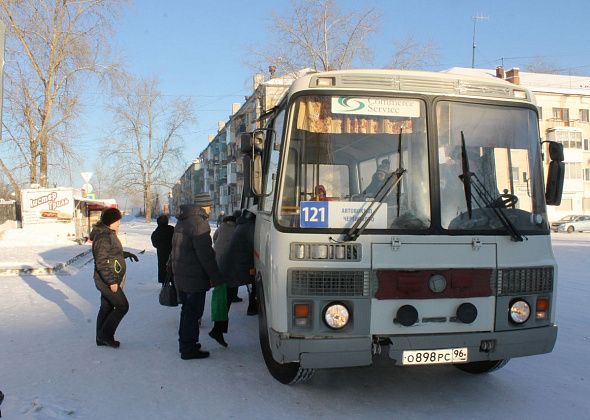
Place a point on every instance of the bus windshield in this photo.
(342, 151)
(502, 151)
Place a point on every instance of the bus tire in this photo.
(485, 366)
(286, 373)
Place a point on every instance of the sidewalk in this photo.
(32, 253)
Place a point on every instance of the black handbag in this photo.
(168, 296)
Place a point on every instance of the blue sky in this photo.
(199, 48)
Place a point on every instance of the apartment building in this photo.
(220, 170)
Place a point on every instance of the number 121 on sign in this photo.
(314, 214)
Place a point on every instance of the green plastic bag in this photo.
(219, 303)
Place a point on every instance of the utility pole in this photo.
(475, 20)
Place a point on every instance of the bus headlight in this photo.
(336, 315)
(520, 311)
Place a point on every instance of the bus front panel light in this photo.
(336, 315)
(299, 251)
(520, 311)
(319, 251)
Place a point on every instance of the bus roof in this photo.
(423, 82)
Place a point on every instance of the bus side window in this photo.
(273, 161)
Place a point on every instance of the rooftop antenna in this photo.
(476, 18)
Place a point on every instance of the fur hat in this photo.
(110, 216)
(203, 200)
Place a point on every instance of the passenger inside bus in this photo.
(378, 179)
(320, 193)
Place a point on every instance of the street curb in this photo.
(43, 270)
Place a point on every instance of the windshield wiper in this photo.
(357, 229)
(470, 180)
(466, 175)
(399, 165)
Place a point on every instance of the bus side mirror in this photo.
(252, 143)
(555, 175)
(246, 144)
(253, 176)
(556, 151)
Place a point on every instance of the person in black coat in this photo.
(221, 243)
(195, 271)
(239, 259)
(109, 276)
(162, 241)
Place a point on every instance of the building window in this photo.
(566, 204)
(515, 174)
(584, 115)
(573, 170)
(562, 114)
(586, 174)
(587, 144)
(540, 113)
(576, 140)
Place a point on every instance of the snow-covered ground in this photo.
(50, 366)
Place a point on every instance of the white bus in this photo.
(402, 212)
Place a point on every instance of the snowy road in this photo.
(51, 368)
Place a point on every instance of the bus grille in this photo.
(514, 281)
(329, 283)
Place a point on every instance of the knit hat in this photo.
(203, 200)
(110, 216)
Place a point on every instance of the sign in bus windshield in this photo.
(393, 107)
(340, 214)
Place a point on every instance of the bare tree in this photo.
(539, 64)
(317, 35)
(149, 136)
(410, 54)
(51, 45)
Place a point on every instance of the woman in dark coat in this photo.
(239, 259)
(221, 297)
(162, 241)
(109, 276)
(195, 271)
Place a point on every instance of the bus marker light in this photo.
(542, 308)
(300, 251)
(319, 252)
(301, 310)
(325, 81)
(302, 313)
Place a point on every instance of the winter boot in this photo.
(108, 342)
(194, 354)
(217, 336)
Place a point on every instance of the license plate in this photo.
(431, 357)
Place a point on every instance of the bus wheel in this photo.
(485, 366)
(286, 373)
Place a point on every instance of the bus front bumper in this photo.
(321, 352)
(481, 346)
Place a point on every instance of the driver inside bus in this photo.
(320, 193)
(378, 179)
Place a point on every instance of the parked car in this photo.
(572, 223)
